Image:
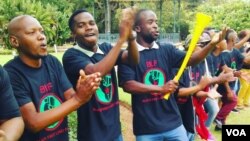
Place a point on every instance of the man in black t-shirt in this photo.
(156, 118)
(99, 119)
(11, 122)
(234, 60)
(43, 92)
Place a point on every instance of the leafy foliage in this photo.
(234, 14)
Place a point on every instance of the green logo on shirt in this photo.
(49, 102)
(154, 77)
(105, 91)
(233, 65)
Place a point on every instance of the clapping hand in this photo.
(87, 85)
(127, 22)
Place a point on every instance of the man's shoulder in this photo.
(105, 47)
(70, 51)
(236, 51)
(51, 60)
(50, 57)
(165, 44)
(105, 44)
(11, 63)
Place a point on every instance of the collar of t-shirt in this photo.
(226, 50)
(87, 52)
(141, 48)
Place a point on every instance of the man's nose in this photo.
(88, 27)
(155, 25)
(41, 36)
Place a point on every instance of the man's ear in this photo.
(137, 28)
(13, 41)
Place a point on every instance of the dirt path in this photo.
(126, 120)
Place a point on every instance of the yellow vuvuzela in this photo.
(202, 21)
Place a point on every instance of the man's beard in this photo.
(149, 38)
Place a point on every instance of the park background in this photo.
(176, 19)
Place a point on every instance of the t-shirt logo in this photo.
(154, 77)
(233, 65)
(48, 102)
(104, 93)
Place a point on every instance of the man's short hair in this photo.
(138, 16)
(228, 34)
(71, 21)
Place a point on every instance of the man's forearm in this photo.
(200, 55)
(188, 91)
(107, 63)
(133, 54)
(13, 128)
(140, 88)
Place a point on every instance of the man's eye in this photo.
(31, 32)
(92, 23)
(80, 25)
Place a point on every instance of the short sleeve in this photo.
(8, 104)
(125, 73)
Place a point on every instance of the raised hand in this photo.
(127, 22)
(86, 86)
(248, 33)
(226, 77)
(219, 36)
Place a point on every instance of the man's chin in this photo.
(156, 37)
(43, 55)
(91, 43)
(91, 39)
(151, 40)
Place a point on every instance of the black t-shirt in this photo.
(233, 59)
(99, 119)
(245, 49)
(45, 87)
(8, 104)
(217, 64)
(152, 113)
(185, 104)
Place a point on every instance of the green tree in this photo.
(234, 14)
(61, 11)
(10, 9)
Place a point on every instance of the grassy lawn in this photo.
(234, 118)
(243, 117)
(125, 97)
(6, 58)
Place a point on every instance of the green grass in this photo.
(125, 97)
(243, 117)
(5, 58)
(234, 118)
